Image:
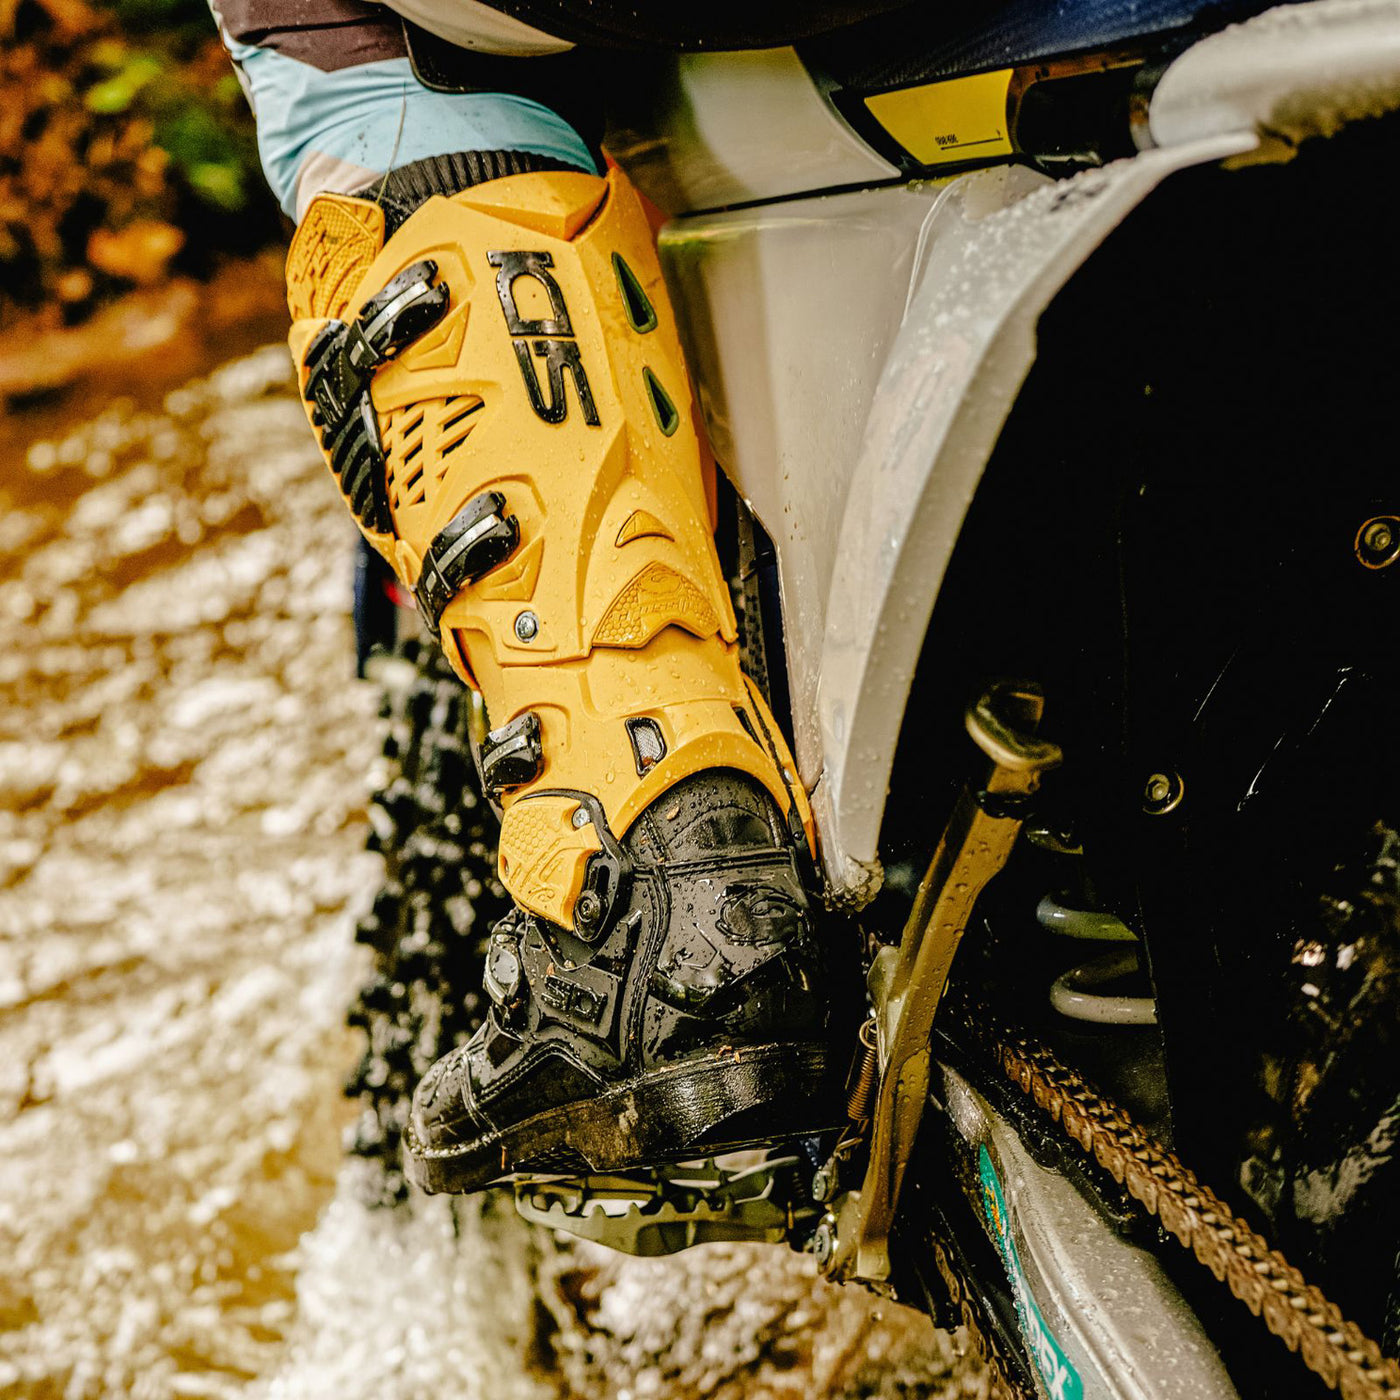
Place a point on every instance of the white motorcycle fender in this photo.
(962, 353)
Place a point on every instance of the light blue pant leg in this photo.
(337, 131)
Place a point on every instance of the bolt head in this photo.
(824, 1243)
(1162, 793)
(1379, 537)
(581, 818)
(527, 626)
(588, 909)
(1378, 542)
(821, 1184)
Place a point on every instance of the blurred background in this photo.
(127, 155)
(186, 768)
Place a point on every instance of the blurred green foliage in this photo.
(205, 130)
(117, 93)
(114, 114)
(179, 19)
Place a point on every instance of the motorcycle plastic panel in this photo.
(861, 459)
(707, 130)
(786, 377)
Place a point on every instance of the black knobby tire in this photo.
(431, 917)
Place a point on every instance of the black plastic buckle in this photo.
(478, 538)
(504, 972)
(357, 459)
(511, 755)
(340, 363)
(409, 304)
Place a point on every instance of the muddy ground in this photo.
(184, 761)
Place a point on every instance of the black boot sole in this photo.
(719, 1102)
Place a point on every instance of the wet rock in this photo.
(735, 1320)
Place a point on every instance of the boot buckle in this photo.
(503, 975)
(511, 755)
(478, 538)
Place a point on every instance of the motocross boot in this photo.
(492, 367)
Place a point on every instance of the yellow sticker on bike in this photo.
(961, 119)
(1057, 1375)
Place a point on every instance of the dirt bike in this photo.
(1053, 346)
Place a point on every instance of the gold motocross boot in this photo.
(496, 380)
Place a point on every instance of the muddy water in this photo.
(183, 764)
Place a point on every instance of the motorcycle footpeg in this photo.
(749, 1196)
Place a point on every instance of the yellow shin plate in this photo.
(709, 717)
(557, 379)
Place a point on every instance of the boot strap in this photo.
(478, 538)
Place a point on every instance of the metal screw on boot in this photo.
(824, 1242)
(527, 627)
(588, 909)
(821, 1185)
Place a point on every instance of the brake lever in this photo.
(907, 981)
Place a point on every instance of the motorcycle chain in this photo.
(1298, 1313)
(1001, 1384)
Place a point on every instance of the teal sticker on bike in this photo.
(1059, 1378)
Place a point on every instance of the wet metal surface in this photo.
(183, 769)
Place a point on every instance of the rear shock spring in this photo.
(862, 1093)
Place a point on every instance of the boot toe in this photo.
(441, 1112)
